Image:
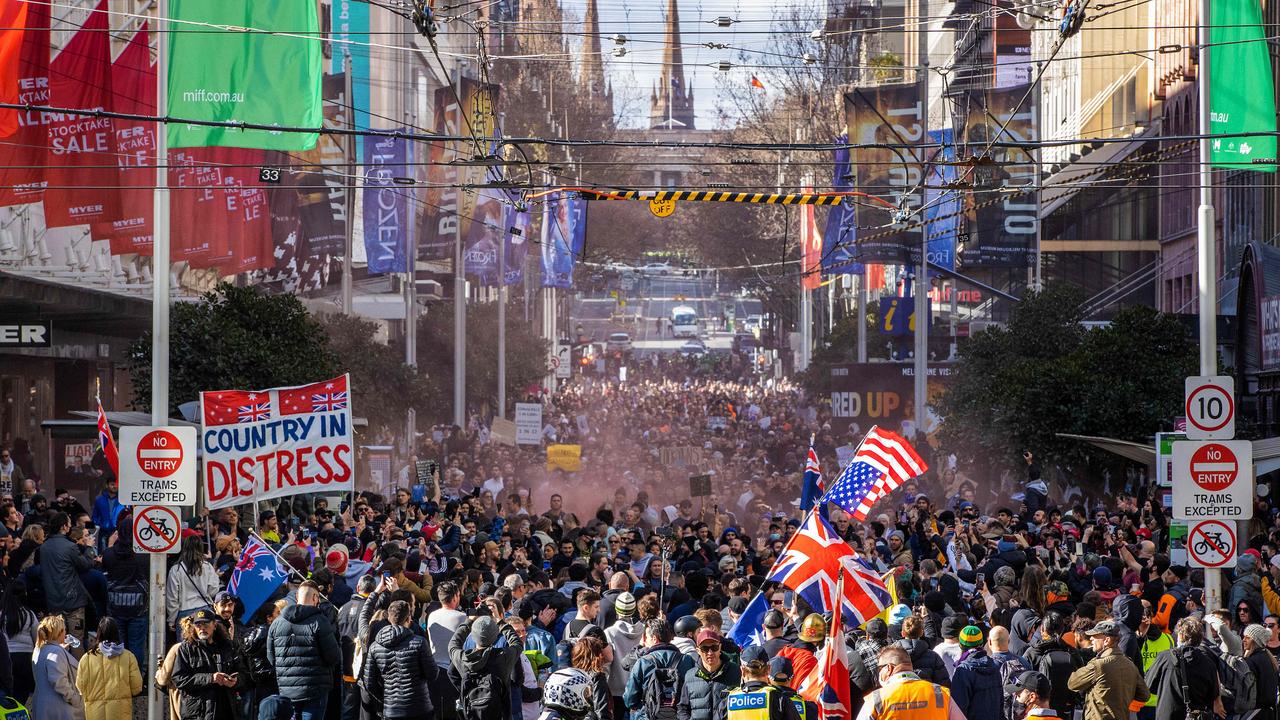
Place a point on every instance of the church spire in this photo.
(592, 76)
(671, 105)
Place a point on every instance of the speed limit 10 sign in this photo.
(1211, 407)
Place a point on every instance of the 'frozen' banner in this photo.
(840, 239)
(387, 215)
(942, 206)
(564, 227)
(263, 444)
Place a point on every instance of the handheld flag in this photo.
(812, 487)
(755, 82)
(890, 581)
(828, 685)
(258, 573)
(811, 563)
(108, 444)
(749, 629)
(883, 462)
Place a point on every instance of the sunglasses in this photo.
(709, 648)
(776, 601)
(1271, 625)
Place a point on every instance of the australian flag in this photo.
(258, 573)
(749, 629)
(812, 487)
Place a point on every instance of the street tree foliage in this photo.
(527, 355)
(1015, 388)
(235, 337)
(383, 386)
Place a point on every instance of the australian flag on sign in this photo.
(258, 573)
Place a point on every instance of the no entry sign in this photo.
(156, 529)
(1212, 544)
(1213, 479)
(158, 465)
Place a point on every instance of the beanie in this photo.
(336, 559)
(971, 636)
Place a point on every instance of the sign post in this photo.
(158, 466)
(1211, 407)
(156, 529)
(1211, 544)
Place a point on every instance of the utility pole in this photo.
(159, 336)
(502, 303)
(806, 295)
(923, 304)
(459, 286)
(411, 257)
(861, 310)
(349, 242)
(1206, 259)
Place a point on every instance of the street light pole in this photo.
(923, 306)
(459, 288)
(1206, 260)
(349, 241)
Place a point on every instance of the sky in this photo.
(643, 22)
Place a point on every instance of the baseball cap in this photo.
(1108, 628)
(738, 604)
(223, 596)
(203, 615)
(266, 515)
(781, 670)
(706, 635)
(1033, 681)
(755, 655)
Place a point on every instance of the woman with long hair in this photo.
(109, 676)
(593, 656)
(55, 696)
(192, 582)
(20, 628)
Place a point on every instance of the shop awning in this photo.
(1266, 453)
(1063, 185)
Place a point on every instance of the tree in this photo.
(1016, 388)
(527, 355)
(383, 387)
(235, 337)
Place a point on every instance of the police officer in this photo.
(780, 676)
(756, 699)
(902, 695)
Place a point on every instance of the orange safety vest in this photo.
(911, 700)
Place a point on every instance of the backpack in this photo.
(662, 691)
(1057, 665)
(126, 599)
(1010, 669)
(485, 694)
(1239, 685)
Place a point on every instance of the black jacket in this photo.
(193, 669)
(927, 664)
(705, 696)
(1056, 660)
(1201, 676)
(61, 562)
(1265, 672)
(253, 649)
(398, 671)
(1127, 609)
(476, 662)
(303, 648)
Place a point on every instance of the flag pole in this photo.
(284, 563)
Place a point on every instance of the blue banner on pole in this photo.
(564, 223)
(517, 249)
(838, 242)
(942, 204)
(387, 216)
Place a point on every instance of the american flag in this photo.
(828, 685)
(882, 463)
(108, 444)
(254, 411)
(811, 565)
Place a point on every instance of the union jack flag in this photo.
(811, 565)
(882, 463)
(828, 685)
(324, 402)
(254, 412)
(108, 444)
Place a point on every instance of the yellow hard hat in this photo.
(813, 629)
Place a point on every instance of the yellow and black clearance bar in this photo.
(662, 202)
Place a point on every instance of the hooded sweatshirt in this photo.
(976, 687)
(624, 636)
(1128, 610)
(1020, 628)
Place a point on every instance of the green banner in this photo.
(251, 77)
(1241, 98)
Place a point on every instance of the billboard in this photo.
(445, 205)
(1001, 225)
(891, 116)
(881, 394)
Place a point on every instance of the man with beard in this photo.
(206, 671)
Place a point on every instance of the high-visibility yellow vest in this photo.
(911, 700)
(1150, 649)
(751, 704)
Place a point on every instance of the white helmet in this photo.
(568, 690)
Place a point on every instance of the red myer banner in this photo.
(13, 15)
(133, 91)
(263, 444)
(22, 154)
(83, 176)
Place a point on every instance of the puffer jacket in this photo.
(397, 672)
(976, 687)
(660, 655)
(705, 695)
(253, 645)
(108, 684)
(193, 669)
(624, 636)
(926, 663)
(303, 648)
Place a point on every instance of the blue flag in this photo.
(749, 630)
(388, 218)
(564, 227)
(258, 573)
(839, 247)
(811, 488)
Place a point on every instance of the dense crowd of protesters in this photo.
(501, 589)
